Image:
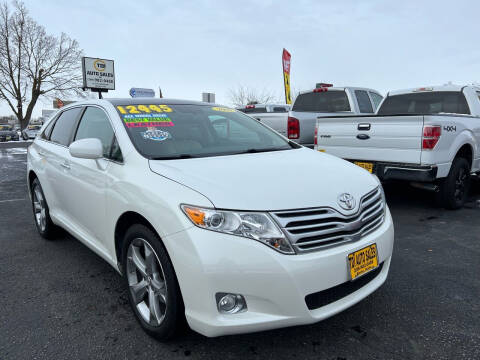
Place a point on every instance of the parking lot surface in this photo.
(61, 301)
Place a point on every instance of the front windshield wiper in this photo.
(173, 157)
(254, 150)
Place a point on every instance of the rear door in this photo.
(57, 157)
(375, 138)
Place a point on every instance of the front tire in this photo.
(151, 283)
(46, 228)
(455, 187)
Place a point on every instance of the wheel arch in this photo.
(31, 176)
(126, 220)
(466, 152)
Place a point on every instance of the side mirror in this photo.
(86, 149)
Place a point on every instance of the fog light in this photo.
(230, 303)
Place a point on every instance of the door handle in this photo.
(65, 165)
(41, 153)
(364, 126)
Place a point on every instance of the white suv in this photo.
(182, 198)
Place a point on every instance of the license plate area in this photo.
(365, 165)
(362, 261)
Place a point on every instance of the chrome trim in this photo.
(319, 228)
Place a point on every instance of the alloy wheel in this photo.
(146, 281)
(39, 208)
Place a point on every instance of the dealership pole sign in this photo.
(286, 61)
(98, 75)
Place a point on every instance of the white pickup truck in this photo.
(429, 136)
(272, 115)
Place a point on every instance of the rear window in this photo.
(424, 103)
(280, 109)
(254, 110)
(328, 102)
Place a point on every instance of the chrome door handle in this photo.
(65, 165)
(364, 126)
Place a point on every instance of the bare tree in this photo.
(243, 95)
(33, 63)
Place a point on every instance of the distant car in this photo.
(273, 115)
(7, 133)
(31, 132)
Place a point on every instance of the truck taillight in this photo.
(293, 128)
(431, 135)
(315, 140)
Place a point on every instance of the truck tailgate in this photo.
(277, 121)
(395, 139)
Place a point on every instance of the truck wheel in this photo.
(454, 189)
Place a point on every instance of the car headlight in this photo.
(253, 225)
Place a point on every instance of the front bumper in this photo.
(274, 285)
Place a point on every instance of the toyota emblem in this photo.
(346, 201)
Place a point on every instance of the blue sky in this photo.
(188, 47)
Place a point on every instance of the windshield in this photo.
(183, 131)
(424, 103)
(329, 101)
(6, 127)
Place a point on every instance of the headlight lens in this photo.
(253, 225)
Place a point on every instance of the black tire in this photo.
(24, 137)
(455, 187)
(173, 320)
(46, 228)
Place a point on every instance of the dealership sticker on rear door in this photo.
(223, 109)
(156, 134)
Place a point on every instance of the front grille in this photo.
(328, 296)
(318, 228)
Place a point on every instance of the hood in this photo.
(279, 180)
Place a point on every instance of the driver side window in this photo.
(95, 124)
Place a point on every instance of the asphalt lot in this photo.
(59, 300)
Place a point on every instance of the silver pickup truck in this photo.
(272, 115)
(325, 101)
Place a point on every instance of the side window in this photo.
(48, 130)
(63, 129)
(377, 99)
(95, 124)
(364, 104)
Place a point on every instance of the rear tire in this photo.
(152, 285)
(41, 214)
(455, 187)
